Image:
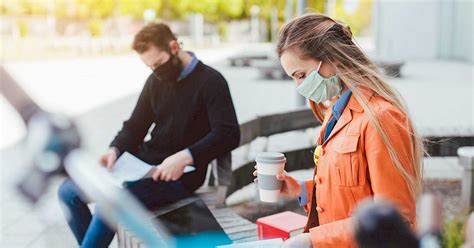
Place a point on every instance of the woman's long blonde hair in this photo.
(319, 37)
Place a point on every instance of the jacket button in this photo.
(317, 179)
(319, 209)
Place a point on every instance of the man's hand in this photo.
(299, 241)
(109, 158)
(172, 167)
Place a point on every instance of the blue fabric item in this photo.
(303, 199)
(337, 110)
(90, 230)
(190, 68)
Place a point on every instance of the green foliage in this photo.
(267, 5)
(135, 8)
(95, 27)
(23, 28)
(359, 20)
(23, 7)
(216, 11)
(222, 30)
(212, 10)
(317, 6)
(95, 8)
(453, 234)
(232, 9)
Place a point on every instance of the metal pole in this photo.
(288, 10)
(255, 23)
(197, 24)
(300, 10)
(300, 101)
(274, 24)
(300, 7)
(330, 8)
(466, 160)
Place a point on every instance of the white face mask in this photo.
(319, 88)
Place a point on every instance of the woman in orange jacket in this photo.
(367, 146)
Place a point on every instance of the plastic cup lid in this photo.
(270, 157)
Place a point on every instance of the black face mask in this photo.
(170, 70)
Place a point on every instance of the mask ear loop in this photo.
(319, 66)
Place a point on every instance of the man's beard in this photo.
(170, 70)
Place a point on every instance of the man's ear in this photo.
(174, 45)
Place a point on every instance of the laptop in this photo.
(192, 224)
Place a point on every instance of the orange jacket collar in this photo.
(346, 116)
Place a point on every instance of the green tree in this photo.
(135, 8)
(358, 18)
(94, 8)
(212, 10)
(24, 7)
(232, 9)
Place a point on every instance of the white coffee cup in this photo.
(269, 164)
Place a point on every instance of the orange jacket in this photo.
(355, 164)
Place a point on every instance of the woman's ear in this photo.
(328, 69)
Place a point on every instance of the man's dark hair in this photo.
(157, 34)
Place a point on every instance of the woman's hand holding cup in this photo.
(290, 186)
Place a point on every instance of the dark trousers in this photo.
(91, 230)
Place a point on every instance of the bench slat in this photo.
(241, 235)
(248, 239)
(242, 228)
(234, 225)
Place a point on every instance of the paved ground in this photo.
(439, 95)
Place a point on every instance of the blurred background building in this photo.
(424, 30)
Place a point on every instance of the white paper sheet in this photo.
(129, 168)
(267, 243)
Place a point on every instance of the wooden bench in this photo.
(221, 182)
(245, 60)
(237, 228)
(392, 69)
(270, 69)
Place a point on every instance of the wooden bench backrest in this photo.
(221, 168)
